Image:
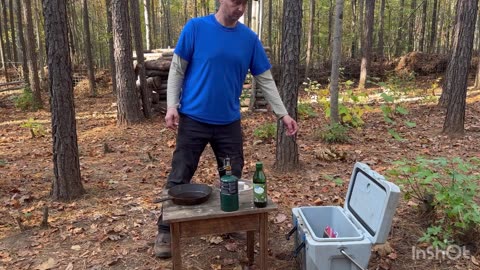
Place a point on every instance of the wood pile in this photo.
(157, 66)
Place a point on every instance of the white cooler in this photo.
(364, 220)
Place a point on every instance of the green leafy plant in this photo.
(36, 129)
(334, 133)
(25, 100)
(352, 114)
(266, 131)
(3, 163)
(446, 187)
(306, 110)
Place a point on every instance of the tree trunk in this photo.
(336, 59)
(148, 26)
(12, 31)
(367, 48)
(311, 25)
(398, 40)
(7, 48)
(67, 184)
(411, 27)
(361, 23)
(32, 56)
(108, 4)
(457, 71)
(353, 48)
(128, 106)
(21, 38)
(145, 93)
(423, 26)
(433, 29)
(41, 49)
(286, 147)
(4, 57)
(88, 50)
(380, 50)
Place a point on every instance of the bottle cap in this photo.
(259, 165)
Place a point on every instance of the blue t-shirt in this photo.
(218, 61)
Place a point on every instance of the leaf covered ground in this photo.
(124, 168)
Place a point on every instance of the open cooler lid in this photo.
(372, 201)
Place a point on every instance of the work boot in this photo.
(162, 248)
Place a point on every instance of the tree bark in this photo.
(311, 25)
(398, 40)
(88, 50)
(433, 27)
(40, 46)
(128, 106)
(21, 38)
(32, 56)
(353, 48)
(108, 4)
(361, 34)
(380, 50)
(336, 59)
(4, 57)
(270, 19)
(7, 48)
(12, 31)
(148, 26)
(145, 93)
(456, 77)
(367, 47)
(286, 147)
(411, 27)
(423, 26)
(67, 184)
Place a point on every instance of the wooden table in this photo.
(208, 218)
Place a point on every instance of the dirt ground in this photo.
(113, 225)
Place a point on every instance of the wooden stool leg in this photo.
(250, 246)
(263, 235)
(176, 251)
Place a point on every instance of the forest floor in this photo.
(113, 225)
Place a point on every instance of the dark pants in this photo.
(192, 137)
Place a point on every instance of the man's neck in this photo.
(223, 21)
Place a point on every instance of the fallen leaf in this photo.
(76, 247)
(475, 261)
(280, 218)
(231, 246)
(49, 264)
(216, 266)
(69, 266)
(215, 240)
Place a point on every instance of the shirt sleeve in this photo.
(175, 80)
(186, 42)
(259, 62)
(267, 85)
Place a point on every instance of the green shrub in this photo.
(334, 133)
(266, 131)
(25, 100)
(305, 110)
(448, 189)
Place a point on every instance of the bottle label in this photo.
(229, 188)
(259, 193)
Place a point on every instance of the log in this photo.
(154, 82)
(158, 64)
(155, 72)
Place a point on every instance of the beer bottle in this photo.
(259, 186)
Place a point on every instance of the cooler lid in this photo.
(372, 201)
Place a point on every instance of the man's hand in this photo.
(290, 124)
(172, 118)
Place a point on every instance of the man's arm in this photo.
(270, 91)
(174, 88)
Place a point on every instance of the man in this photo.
(209, 66)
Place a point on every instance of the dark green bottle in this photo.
(228, 189)
(259, 186)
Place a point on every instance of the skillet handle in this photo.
(162, 199)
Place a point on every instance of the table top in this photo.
(211, 208)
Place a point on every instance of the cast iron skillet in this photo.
(187, 194)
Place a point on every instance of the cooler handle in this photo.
(298, 249)
(351, 259)
(287, 236)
